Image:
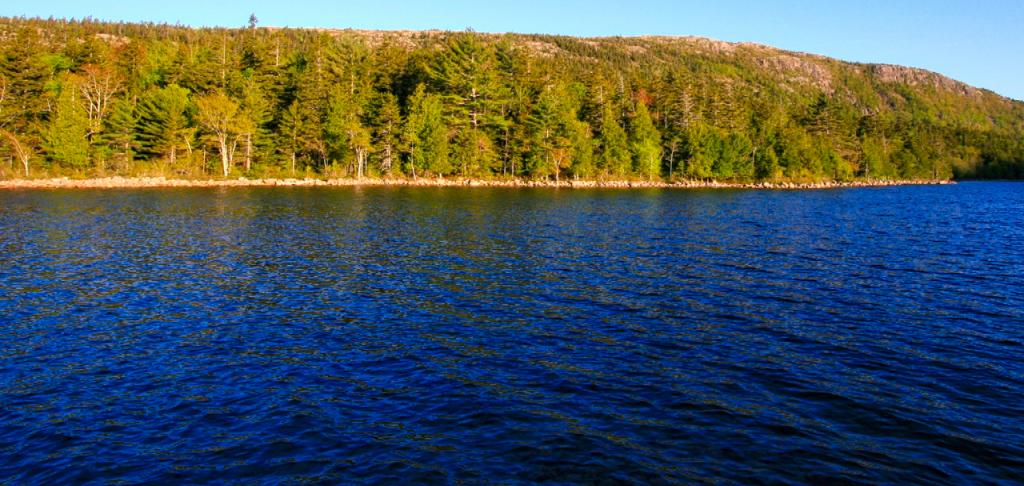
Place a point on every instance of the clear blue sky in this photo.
(979, 42)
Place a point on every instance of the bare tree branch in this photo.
(19, 149)
(98, 87)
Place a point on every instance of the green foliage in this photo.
(582, 141)
(218, 116)
(68, 128)
(342, 129)
(701, 148)
(766, 164)
(253, 116)
(386, 120)
(615, 155)
(426, 136)
(646, 143)
(164, 126)
(291, 134)
(120, 137)
(98, 97)
(549, 144)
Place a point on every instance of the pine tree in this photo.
(645, 143)
(582, 140)
(465, 73)
(22, 104)
(291, 134)
(733, 117)
(615, 156)
(67, 131)
(701, 149)
(386, 123)
(347, 138)
(120, 133)
(425, 134)
(164, 126)
(253, 115)
(349, 65)
(309, 90)
(549, 146)
(766, 164)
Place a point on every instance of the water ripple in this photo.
(512, 336)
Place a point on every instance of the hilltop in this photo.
(91, 99)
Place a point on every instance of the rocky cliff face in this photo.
(888, 73)
(795, 67)
(801, 70)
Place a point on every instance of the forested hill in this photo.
(89, 98)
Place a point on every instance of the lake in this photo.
(512, 335)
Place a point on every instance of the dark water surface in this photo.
(496, 335)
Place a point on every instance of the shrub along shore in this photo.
(156, 182)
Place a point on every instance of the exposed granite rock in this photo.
(154, 182)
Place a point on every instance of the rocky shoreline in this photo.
(156, 182)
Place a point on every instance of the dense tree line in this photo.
(91, 98)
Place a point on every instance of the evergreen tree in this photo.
(549, 145)
(425, 135)
(465, 73)
(492, 105)
(309, 90)
(23, 75)
(164, 125)
(120, 133)
(766, 164)
(67, 131)
(701, 149)
(386, 122)
(645, 143)
(582, 140)
(291, 134)
(253, 115)
(615, 154)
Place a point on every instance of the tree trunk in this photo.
(19, 150)
(504, 149)
(385, 165)
(293, 163)
(412, 160)
(225, 161)
(753, 159)
(359, 163)
(248, 152)
(671, 161)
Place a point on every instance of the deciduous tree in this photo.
(218, 115)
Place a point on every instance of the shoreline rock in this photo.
(162, 182)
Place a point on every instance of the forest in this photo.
(85, 98)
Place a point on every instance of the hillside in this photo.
(90, 99)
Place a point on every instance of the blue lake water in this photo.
(512, 336)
